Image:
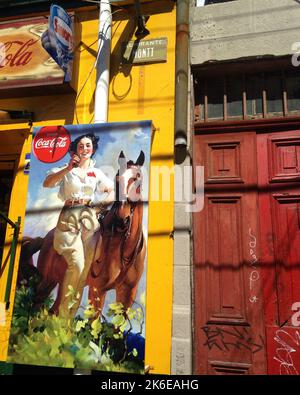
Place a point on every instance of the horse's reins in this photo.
(126, 231)
(126, 261)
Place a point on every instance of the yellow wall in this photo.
(14, 143)
(137, 92)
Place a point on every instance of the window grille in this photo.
(247, 96)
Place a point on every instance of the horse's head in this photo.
(129, 178)
(129, 185)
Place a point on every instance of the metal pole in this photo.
(103, 62)
(181, 72)
(6, 219)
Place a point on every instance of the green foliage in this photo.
(88, 342)
(25, 308)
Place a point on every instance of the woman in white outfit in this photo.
(78, 182)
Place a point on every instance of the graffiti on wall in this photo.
(254, 275)
(288, 345)
(231, 339)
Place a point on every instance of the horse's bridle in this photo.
(111, 225)
(116, 224)
(123, 228)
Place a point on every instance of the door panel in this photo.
(279, 208)
(223, 259)
(229, 331)
(287, 252)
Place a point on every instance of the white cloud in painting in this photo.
(39, 222)
(138, 132)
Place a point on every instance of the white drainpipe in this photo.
(103, 62)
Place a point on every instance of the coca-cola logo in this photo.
(57, 142)
(16, 53)
(51, 143)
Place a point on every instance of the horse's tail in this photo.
(29, 247)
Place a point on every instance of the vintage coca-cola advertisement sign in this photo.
(80, 298)
(51, 143)
(23, 60)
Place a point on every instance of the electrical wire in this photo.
(91, 70)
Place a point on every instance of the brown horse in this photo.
(116, 252)
(122, 250)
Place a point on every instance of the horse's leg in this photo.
(55, 307)
(43, 290)
(126, 294)
(96, 293)
(126, 291)
(98, 302)
(97, 299)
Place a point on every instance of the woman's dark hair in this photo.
(94, 139)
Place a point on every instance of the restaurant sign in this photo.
(23, 60)
(146, 51)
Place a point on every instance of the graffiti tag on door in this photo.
(231, 338)
(288, 345)
(254, 275)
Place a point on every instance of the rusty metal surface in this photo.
(182, 72)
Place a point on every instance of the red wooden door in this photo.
(229, 328)
(279, 207)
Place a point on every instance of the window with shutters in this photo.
(247, 96)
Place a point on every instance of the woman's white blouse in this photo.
(82, 184)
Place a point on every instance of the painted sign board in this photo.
(58, 39)
(23, 60)
(146, 51)
(80, 297)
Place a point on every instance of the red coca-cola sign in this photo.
(23, 60)
(51, 143)
(16, 53)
